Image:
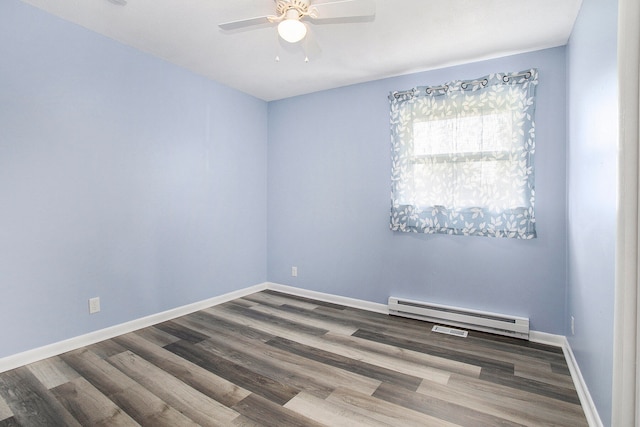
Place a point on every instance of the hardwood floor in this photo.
(279, 360)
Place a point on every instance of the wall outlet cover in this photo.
(94, 305)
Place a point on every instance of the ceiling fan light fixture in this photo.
(292, 30)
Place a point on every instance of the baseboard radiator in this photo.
(501, 324)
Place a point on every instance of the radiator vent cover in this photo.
(501, 324)
(449, 331)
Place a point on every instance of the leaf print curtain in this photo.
(462, 157)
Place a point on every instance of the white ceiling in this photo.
(406, 36)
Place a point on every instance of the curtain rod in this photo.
(463, 85)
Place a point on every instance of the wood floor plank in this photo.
(31, 403)
(384, 411)
(9, 422)
(447, 354)
(5, 411)
(420, 332)
(195, 405)
(139, 403)
(514, 406)
(290, 366)
(549, 377)
(245, 302)
(537, 402)
(389, 362)
(409, 382)
(200, 379)
(405, 355)
(181, 332)
(381, 346)
(220, 325)
(330, 326)
(264, 386)
(295, 370)
(560, 368)
(462, 349)
(533, 386)
(416, 329)
(297, 298)
(269, 414)
(279, 322)
(157, 336)
(222, 314)
(542, 351)
(451, 412)
(500, 351)
(52, 372)
(328, 413)
(317, 314)
(505, 408)
(105, 349)
(89, 406)
(381, 322)
(520, 349)
(277, 298)
(244, 421)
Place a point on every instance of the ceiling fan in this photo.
(290, 13)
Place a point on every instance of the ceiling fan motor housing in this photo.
(301, 6)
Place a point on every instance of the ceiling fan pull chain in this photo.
(277, 47)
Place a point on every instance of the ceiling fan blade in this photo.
(344, 9)
(243, 23)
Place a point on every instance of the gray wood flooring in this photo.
(271, 359)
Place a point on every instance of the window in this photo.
(462, 157)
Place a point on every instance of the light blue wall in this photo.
(121, 176)
(329, 200)
(592, 168)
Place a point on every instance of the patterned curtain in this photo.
(462, 157)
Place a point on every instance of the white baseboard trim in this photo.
(30, 356)
(589, 407)
(335, 299)
(548, 339)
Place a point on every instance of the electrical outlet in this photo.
(94, 305)
(573, 326)
(294, 271)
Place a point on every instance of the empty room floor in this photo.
(279, 360)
